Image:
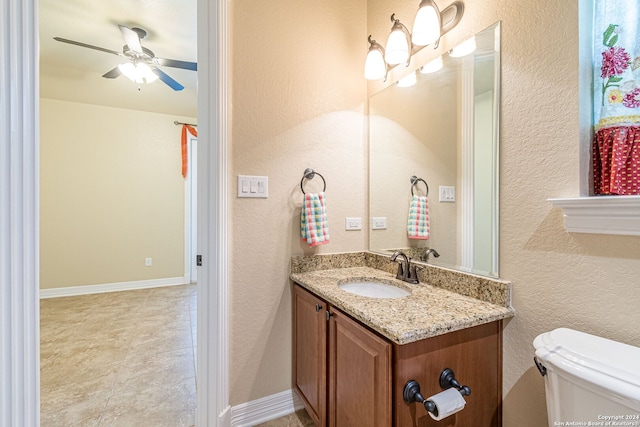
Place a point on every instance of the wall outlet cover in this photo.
(351, 223)
(379, 223)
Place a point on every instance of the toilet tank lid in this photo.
(608, 363)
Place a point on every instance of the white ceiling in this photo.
(74, 73)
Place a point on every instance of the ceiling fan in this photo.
(142, 65)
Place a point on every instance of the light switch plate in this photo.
(253, 186)
(447, 194)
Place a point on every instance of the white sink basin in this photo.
(374, 290)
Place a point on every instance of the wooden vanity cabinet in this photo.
(349, 376)
(310, 353)
(357, 391)
(475, 356)
(359, 374)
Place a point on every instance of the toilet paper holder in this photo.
(447, 380)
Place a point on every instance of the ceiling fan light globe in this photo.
(129, 70)
(146, 73)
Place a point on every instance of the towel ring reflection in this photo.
(414, 182)
(310, 174)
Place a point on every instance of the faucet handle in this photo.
(400, 272)
(413, 273)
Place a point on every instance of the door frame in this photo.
(191, 211)
(19, 214)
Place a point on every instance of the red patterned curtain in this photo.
(616, 144)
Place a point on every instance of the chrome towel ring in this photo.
(414, 182)
(310, 174)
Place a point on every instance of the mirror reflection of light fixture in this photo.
(398, 49)
(139, 73)
(430, 24)
(374, 67)
(426, 26)
(464, 48)
(408, 80)
(433, 66)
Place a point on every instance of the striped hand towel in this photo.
(418, 223)
(314, 227)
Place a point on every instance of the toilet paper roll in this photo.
(447, 403)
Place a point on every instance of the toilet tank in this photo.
(589, 380)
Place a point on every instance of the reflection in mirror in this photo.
(444, 130)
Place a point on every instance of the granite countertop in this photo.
(427, 312)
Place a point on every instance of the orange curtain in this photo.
(185, 155)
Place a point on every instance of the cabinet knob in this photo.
(328, 314)
(318, 308)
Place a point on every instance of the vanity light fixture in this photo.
(427, 25)
(433, 66)
(464, 48)
(398, 49)
(430, 24)
(139, 73)
(374, 67)
(408, 80)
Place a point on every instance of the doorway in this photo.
(21, 328)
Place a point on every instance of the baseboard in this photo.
(109, 287)
(265, 409)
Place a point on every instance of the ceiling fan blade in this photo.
(193, 66)
(112, 74)
(167, 80)
(101, 49)
(131, 39)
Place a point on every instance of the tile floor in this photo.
(123, 359)
(297, 419)
(119, 359)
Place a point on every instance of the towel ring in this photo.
(414, 182)
(310, 174)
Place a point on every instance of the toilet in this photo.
(589, 380)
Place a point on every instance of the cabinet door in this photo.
(310, 353)
(359, 375)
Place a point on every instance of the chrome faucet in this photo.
(425, 256)
(406, 271)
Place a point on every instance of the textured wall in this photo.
(112, 194)
(298, 93)
(583, 281)
(298, 100)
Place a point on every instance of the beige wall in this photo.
(413, 132)
(582, 281)
(298, 95)
(112, 194)
(298, 101)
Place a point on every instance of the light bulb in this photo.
(145, 73)
(464, 48)
(408, 80)
(426, 26)
(433, 66)
(129, 70)
(397, 49)
(374, 66)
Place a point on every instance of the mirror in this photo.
(443, 130)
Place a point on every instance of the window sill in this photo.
(601, 215)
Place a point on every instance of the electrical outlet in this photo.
(353, 223)
(148, 262)
(379, 223)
